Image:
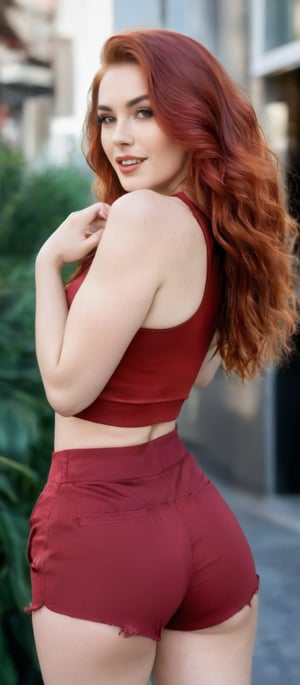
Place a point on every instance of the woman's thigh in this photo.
(73, 651)
(220, 655)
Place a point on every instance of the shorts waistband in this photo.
(111, 463)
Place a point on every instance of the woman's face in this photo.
(140, 152)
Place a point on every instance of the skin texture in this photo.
(150, 272)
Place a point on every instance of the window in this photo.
(282, 22)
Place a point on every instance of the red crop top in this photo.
(157, 371)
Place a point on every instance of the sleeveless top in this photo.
(157, 371)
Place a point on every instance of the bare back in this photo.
(179, 246)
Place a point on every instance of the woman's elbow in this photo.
(61, 402)
(69, 397)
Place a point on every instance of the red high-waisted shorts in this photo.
(139, 538)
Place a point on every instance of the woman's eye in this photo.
(144, 113)
(104, 119)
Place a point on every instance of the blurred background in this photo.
(246, 436)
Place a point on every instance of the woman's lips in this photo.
(128, 164)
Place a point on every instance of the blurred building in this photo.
(49, 51)
(275, 76)
(250, 432)
(26, 75)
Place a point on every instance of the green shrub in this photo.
(32, 204)
(38, 205)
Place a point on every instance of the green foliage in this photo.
(11, 174)
(38, 205)
(31, 206)
(17, 483)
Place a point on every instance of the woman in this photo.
(129, 538)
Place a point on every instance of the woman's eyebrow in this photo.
(130, 103)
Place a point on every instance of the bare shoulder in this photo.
(146, 207)
(147, 200)
(137, 228)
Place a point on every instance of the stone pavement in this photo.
(272, 526)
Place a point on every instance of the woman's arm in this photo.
(209, 366)
(79, 349)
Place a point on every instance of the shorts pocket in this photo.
(29, 543)
(35, 506)
(113, 516)
(39, 520)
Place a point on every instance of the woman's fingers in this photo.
(91, 213)
(104, 210)
(99, 222)
(79, 234)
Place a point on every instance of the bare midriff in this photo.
(72, 432)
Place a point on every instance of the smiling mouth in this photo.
(130, 161)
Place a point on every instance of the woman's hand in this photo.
(78, 235)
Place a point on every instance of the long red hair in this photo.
(233, 176)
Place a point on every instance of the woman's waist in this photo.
(92, 466)
(73, 433)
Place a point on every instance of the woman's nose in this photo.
(123, 134)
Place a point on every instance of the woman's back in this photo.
(176, 331)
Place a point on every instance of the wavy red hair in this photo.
(233, 176)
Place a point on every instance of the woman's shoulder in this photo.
(145, 206)
(143, 198)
